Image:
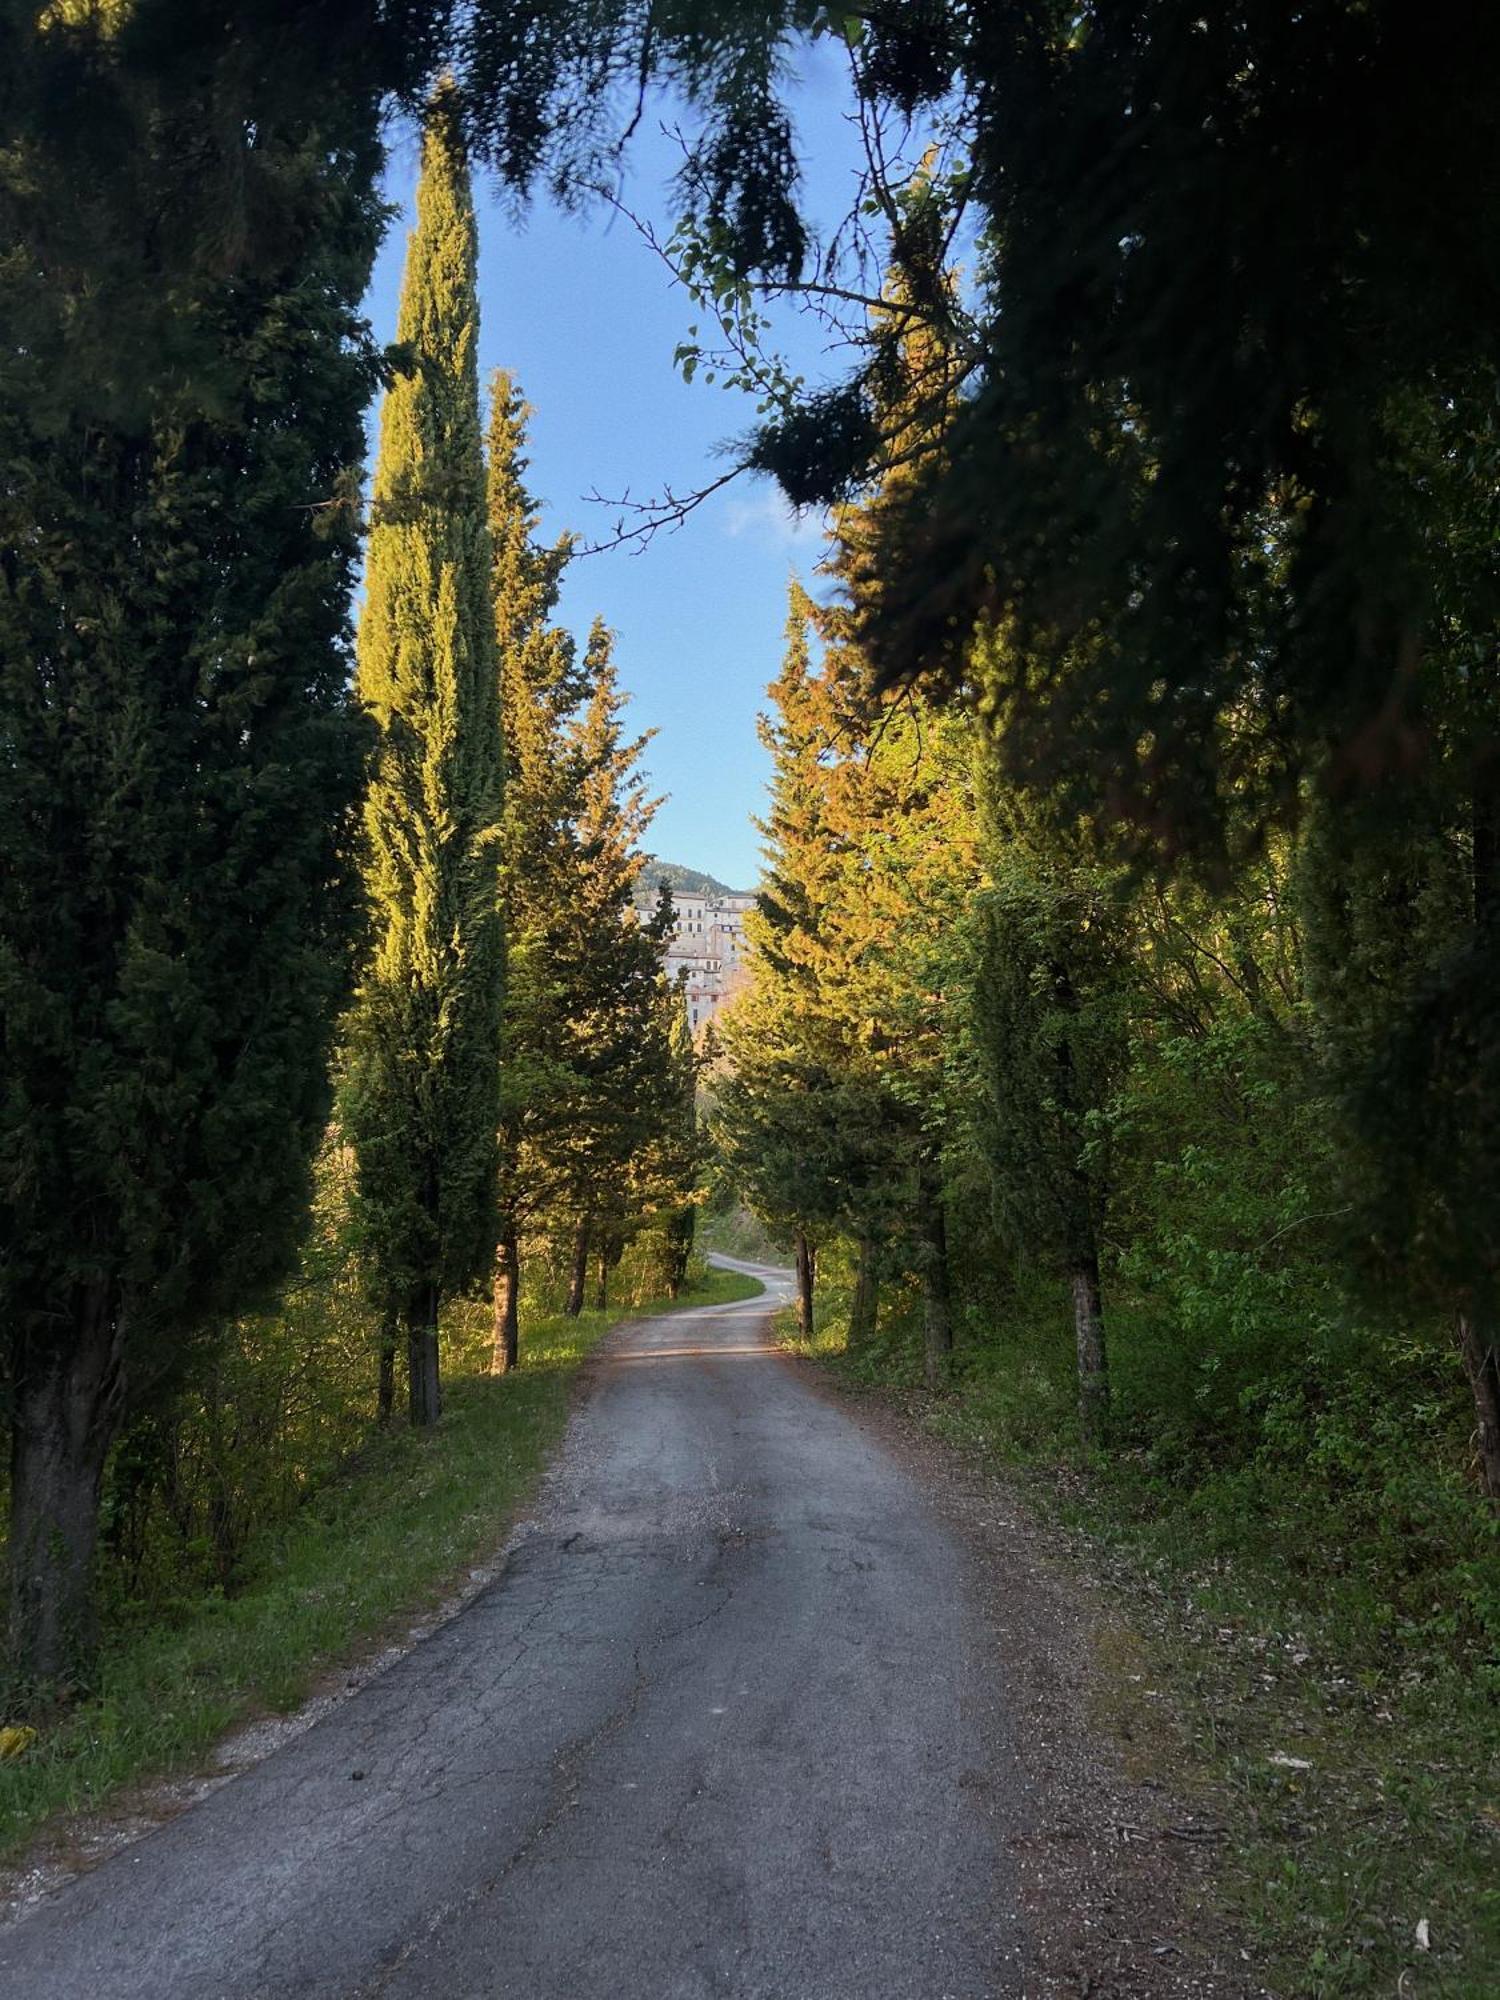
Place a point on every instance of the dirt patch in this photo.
(1117, 1854)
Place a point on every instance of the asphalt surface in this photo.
(723, 1727)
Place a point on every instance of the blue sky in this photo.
(586, 317)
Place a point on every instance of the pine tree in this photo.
(830, 1114)
(542, 683)
(773, 1091)
(870, 861)
(668, 1170)
(608, 964)
(178, 780)
(900, 811)
(901, 815)
(423, 1099)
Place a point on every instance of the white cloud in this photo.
(769, 519)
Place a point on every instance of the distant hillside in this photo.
(691, 881)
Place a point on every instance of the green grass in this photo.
(1330, 1869)
(1283, 1611)
(389, 1538)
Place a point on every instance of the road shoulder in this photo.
(1116, 1859)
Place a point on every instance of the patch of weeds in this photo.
(1364, 1856)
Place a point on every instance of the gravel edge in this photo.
(1117, 1857)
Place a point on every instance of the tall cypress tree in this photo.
(179, 769)
(425, 1053)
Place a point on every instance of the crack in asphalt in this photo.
(568, 1773)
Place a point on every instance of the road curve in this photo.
(722, 1727)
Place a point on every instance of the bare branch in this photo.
(643, 80)
(669, 511)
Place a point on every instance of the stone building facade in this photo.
(708, 946)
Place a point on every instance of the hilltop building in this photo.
(708, 946)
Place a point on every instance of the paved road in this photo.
(719, 1729)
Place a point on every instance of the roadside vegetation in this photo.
(327, 1568)
(1310, 1634)
(731, 1229)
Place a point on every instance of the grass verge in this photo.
(1358, 1774)
(391, 1536)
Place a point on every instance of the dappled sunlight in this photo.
(691, 1353)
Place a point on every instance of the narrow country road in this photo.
(721, 1728)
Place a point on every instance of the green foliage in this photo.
(837, 1087)
(1402, 914)
(619, 1090)
(542, 685)
(1046, 1027)
(180, 760)
(422, 1098)
(727, 1226)
(179, 756)
(657, 875)
(819, 452)
(277, 1408)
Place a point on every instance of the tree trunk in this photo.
(506, 1353)
(1093, 1367)
(1478, 1332)
(579, 1275)
(423, 1386)
(65, 1408)
(1479, 1345)
(680, 1233)
(864, 1306)
(806, 1277)
(385, 1388)
(601, 1279)
(1081, 1242)
(937, 1298)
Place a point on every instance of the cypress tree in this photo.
(424, 1041)
(179, 768)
